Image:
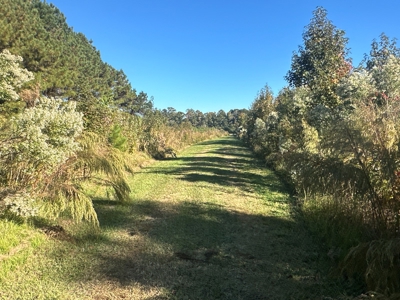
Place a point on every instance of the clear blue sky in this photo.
(216, 54)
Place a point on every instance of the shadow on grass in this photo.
(202, 251)
(223, 141)
(199, 250)
(228, 163)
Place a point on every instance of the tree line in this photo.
(231, 121)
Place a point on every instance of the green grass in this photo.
(212, 224)
(17, 243)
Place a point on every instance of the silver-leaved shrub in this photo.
(42, 138)
(46, 134)
(22, 205)
(12, 76)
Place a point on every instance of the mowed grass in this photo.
(213, 223)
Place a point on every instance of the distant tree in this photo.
(258, 123)
(222, 121)
(191, 116)
(236, 120)
(211, 119)
(138, 103)
(200, 119)
(262, 105)
(173, 116)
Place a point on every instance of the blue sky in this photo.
(216, 54)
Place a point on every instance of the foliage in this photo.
(45, 160)
(12, 76)
(64, 62)
(116, 139)
(22, 205)
(258, 125)
(231, 121)
(42, 139)
(45, 134)
(380, 52)
(379, 263)
(12, 79)
(322, 62)
(334, 136)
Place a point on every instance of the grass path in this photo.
(211, 224)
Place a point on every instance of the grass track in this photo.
(211, 224)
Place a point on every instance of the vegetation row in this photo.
(333, 134)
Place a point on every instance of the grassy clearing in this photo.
(211, 224)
